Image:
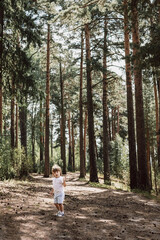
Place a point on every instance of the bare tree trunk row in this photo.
(92, 153)
(130, 110)
(1, 54)
(82, 162)
(105, 113)
(47, 170)
(143, 176)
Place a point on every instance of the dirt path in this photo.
(27, 213)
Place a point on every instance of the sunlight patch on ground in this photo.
(119, 193)
(81, 217)
(137, 219)
(109, 222)
(153, 204)
(87, 189)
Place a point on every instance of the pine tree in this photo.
(92, 152)
(82, 163)
(1, 54)
(105, 113)
(130, 110)
(143, 178)
(63, 151)
(47, 170)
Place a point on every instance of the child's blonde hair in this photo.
(56, 168)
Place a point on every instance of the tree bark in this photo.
(118, 120)
(52, 142)
(23, 130)
(1, 53)
(47, 170)
(143, 178)
(33, 141)
(105, 113)
(23, 123)
(82, 167)
(148, 152)
(16, 144)
(85, 136)
(113, 125)
(157, 111)
(73, 146)
(158, 133)
(109, 126)
(63, 148)
(92, 155)
(12, 114)
(70, 144)
(154, 165)
(130, 110)
(156, 84)
(114, 122)
(41, 133)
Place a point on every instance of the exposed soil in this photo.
(27, 212)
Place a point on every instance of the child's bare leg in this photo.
(61, 207)
(57, 206)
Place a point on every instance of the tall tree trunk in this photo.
(1, 51)
(73, 147)
(12, 114)
(158, 133)
(155, 74)
(158, 80)
(114, 121)
(52, 141)
(82, 167)
(61, 131)
(113, 125)
(148, 152)
(46, 169)
(23, 130)
(105, 113)
(143, 178)
(154, 165)
(85, 136)
(41, 133)
(109, 126)
(70, 143)
(33, 141)
(157, 111)
(92, 154)
(63, 140)
(118, 119)
(16, 144)
(23, 123)
(130, 110)
(4, 127)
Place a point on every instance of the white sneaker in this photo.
(60, 214)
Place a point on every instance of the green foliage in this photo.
(13, 162)
(119, 158)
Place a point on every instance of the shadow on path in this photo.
(27, 212)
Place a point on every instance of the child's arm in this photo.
(64, 181)
(52, 191)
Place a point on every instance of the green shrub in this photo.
(13, 163)
(119, 158)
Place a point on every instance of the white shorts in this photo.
(59, 198)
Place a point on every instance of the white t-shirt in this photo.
(58, 185)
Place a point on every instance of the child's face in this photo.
(57, 174)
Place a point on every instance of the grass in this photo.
(114, 186)
(118, 184)
(149, 195)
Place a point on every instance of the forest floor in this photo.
(27, 212)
